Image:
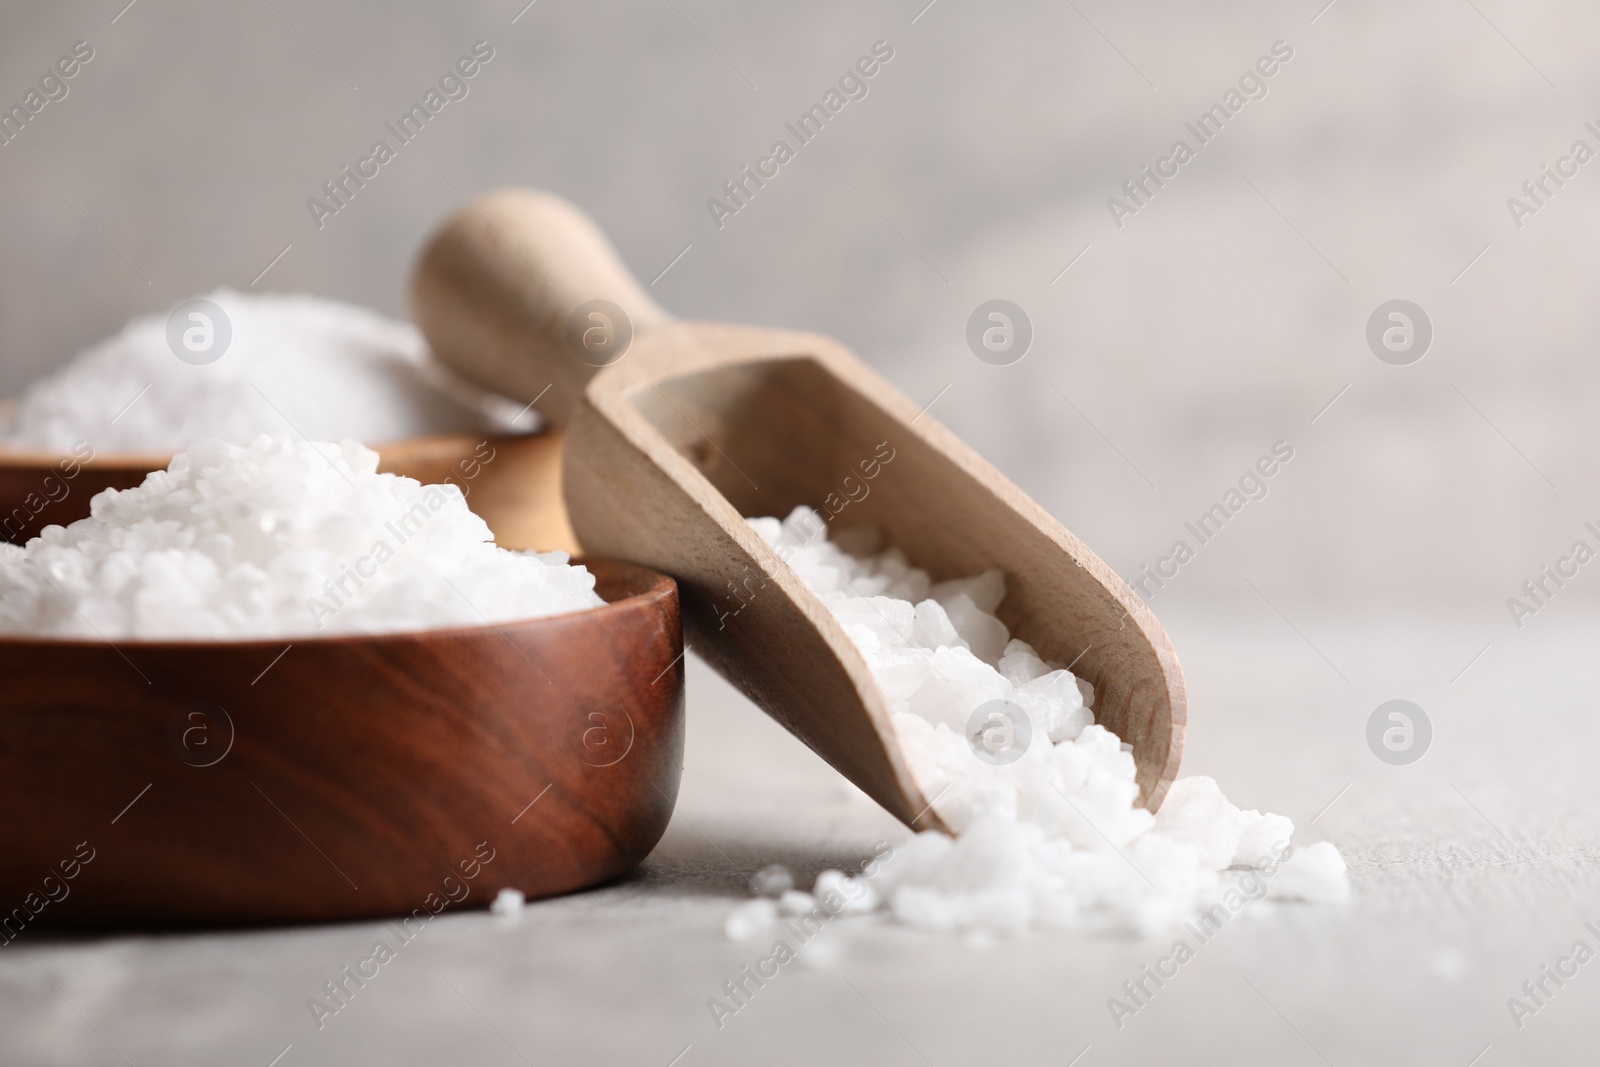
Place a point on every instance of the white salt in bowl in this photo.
(513, 482)
(335, 370)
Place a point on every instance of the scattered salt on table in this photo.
(772, 880)
(794, 902)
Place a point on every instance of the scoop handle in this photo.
(498, 292)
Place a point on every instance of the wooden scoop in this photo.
(673, 438)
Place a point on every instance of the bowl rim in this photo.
(657, 586)
(15, 458)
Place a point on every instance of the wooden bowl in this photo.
(512, 482)
(204, 783)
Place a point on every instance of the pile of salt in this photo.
(275, 539)
(299, 365)
(1053, 838)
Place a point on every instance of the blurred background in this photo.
(1222, 317)
(1228, 313)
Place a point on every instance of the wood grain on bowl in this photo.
(338, 778)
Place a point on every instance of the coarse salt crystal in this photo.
(844, 895)
(325, 368)
(1314, 874)
(508, 903)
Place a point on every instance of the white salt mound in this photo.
(1054, 839)
(276, 539)
(296, 365)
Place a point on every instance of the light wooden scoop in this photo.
(697, 425)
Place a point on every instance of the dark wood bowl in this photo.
(210, 783)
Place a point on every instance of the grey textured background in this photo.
(1222, 318)
(1206, 328)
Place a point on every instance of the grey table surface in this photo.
(1472, 869)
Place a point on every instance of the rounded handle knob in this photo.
(521, 293)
